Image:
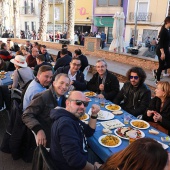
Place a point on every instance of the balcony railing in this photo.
(27, 11)
(143, 17)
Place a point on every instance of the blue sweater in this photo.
(33, 89)
(66, 147)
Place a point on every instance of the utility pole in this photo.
(54, 21)
(136, 20)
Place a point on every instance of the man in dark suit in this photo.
(83, 58)
(64, 60)
(64, 46)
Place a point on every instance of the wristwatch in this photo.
(94, 117)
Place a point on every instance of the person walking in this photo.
(162, 50)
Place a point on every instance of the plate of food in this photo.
(3, 72)
(113, 107)
(90, 94)
(2, 76)
(105, 115)
(140, 124)
(84, 117)
(123, 132)
(109, 141)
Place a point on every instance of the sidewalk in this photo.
(118, 68)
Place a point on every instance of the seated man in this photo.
(135, 94)
(28, 46)
(37, 115)
(83, 58)
(40, 59)
(64, 60)
(38, 85)
(31, 59)
(68, 52)
(48, 57)
(103, 82)
(75, 75)
(68, 146)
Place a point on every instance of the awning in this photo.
(103, 21)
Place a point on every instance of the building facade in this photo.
(103, 12)
(150, 17)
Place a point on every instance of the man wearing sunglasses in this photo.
(74, 73)
(134, 93)
(37, 115)
(68, 146)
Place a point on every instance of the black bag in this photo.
(134, 51)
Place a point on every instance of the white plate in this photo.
(4, 73)
(163, 145)
(112, 109)
(112, 124)
(103, 115)
(87, 117)
(119, 112)
(148, 125)
(101, 137)
(142, 134)
(86, 94)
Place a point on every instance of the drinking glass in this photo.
(102, 102)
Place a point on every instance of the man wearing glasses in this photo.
(104, 83)
(75, 75)
(37, 115)
(134, 94)
(68, 146)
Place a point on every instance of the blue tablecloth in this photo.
(104, 152)
(7, 80)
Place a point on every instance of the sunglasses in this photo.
(79, 103)
(135, 77)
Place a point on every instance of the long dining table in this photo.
(7, 80)
(105, 152)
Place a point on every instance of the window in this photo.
(57, 14)
(143, 14)
(58, 27)
(109, 2)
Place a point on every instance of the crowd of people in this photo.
(54, 119)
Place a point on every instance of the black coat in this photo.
(58, 55)
(64, 61)
(79, 83)
(84, 62)
(111, 86)
(155, 105)
(136, 100)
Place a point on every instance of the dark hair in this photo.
(142, 154)
(167, 20)
(64, 51)
(3, 45)
(43, 46)
(64, 45)
(78, 52)
(44, 68)
(36, 43)
(74, 58)
(41, 57)
(139, 71)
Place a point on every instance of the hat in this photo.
(19, 60)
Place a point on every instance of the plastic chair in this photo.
(121, 85)
(86, 71)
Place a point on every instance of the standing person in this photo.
(134, 93)
(162, 50)
(103, 39)
(68, 146)
(131, 41)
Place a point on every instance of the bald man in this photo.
(68, 146)
(31, 59)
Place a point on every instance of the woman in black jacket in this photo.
(158, 113)
(162, 50)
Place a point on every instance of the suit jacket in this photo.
(79, 83)
(111, 85)
(64, 61)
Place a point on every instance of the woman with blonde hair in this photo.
(158, 112)
(142, 154)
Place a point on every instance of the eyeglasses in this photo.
(135, 77)
(78, 65)
(80, 102)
